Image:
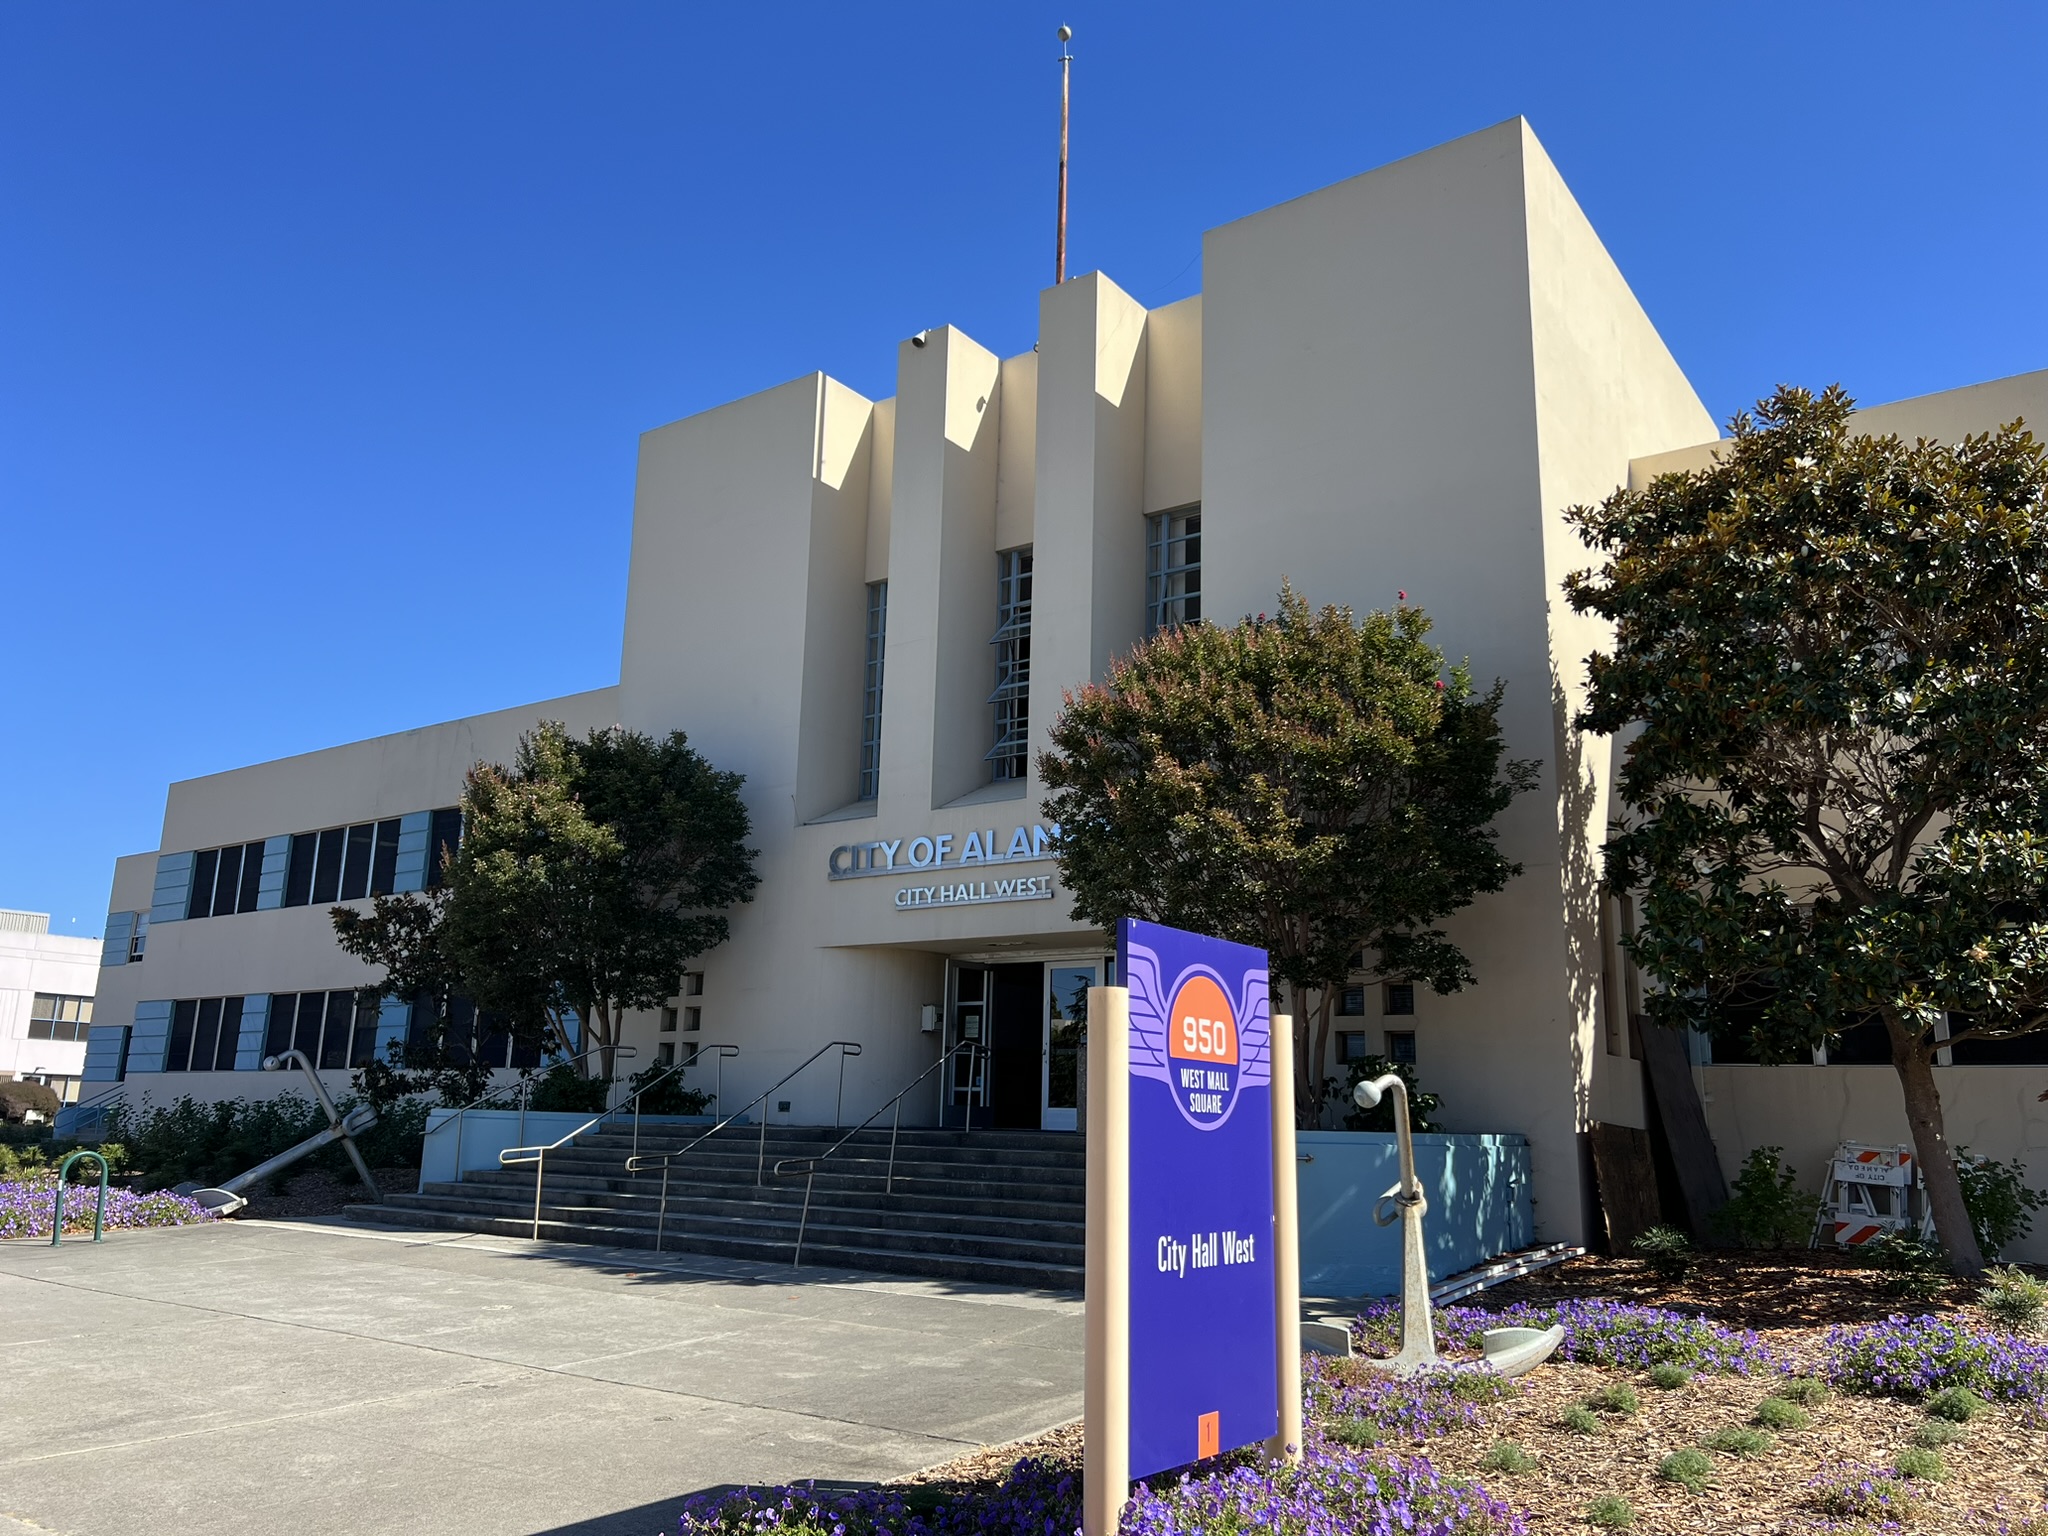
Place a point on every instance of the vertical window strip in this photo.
(1173, 569)
(871, 699)
(1011, 754)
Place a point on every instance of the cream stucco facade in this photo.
(1396, 383)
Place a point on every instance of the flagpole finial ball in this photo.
(1066, 34)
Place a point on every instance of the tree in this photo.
(589, 874)
(1307, 783)
(1835, 650)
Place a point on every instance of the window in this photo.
(1351, 1045)
(1401, 1047)
(871, 696)
(693, 1020)
(1351, 1003)
(224, 880)
(205, 1034)
(1173, 568)
(55, 1016)
(1399, 997)
(668, 1021)
(138, 941)
(693, 983)
(342, 863)
(1011, 753)
(665, 1054)
(444, 837)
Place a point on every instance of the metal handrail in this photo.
(99, 1103)
(810, 1164)
(512, 1156)
(523, 1089)
(638, 1164)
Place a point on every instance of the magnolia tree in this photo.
(590, 872)
(1308, 783)
(1834, 652)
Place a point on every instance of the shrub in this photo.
(1421, 1106)
(1803, 1390)
(1506, 1456)
(663, 1092)
(1618, 1397)
(1668, 1251)
(1739, 1440)
(563, 1088)
(1766, 1208)
(1776, 1413)
(1924, 1464)
(1998, 1199)
(1860, 1493)
(1478, 1384)
(2015, 1298)
(1936, 1433)
(1669, 1377)
(19, 1100)
(1958, 1405)
(1579, 1419)
(1414, 1407)
(1692, 1469)
(1353, 1431)
(1611, 1512)
(1923, 1356)
(207, 1143)
(1913, 1270)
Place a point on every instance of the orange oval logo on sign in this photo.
(1201, 1026)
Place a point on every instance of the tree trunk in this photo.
(1937, 1158)
(1326, 999)
(1304, 1072)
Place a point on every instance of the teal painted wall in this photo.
(1478, 1191)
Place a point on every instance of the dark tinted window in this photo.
(355, 871)
(1861, 1045)
(227, 882)
(2019, 1051)
(230, 1034)
(327, 867)
(200, 904)
(363, 1044)
(306, 1033)
(442, 841)
(206, 1037)
(334, 1043)
(277, 1036)
(183, 1015)
(384, 867)
(252, 877)
(298, 874)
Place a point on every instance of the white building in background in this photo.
(871, 610)
(46, 995)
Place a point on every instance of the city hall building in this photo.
(872, 609)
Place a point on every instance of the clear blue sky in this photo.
(327, 330)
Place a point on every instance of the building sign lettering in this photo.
(946, 850)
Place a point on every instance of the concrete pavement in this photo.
(312, 1378)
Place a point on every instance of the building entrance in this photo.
(1029, 1018)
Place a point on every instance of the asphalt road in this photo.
(315, 1378)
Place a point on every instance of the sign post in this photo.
(1193, 1325)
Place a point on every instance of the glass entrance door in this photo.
(1066, 1022)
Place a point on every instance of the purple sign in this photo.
(1203, 1323)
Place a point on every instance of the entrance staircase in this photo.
(1000, 1206)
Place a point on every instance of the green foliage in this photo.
(1506, 1456)
(1926, 1465)
(1308, 783)
(1777, 1413)
(2000, 1203)
(1610, 1512)
(1832, 650)
(1739, 1440)
(2015, 1298)
(1667, 1376)
(1803, 1390)
(1958, 1405)
(565, 1089)
(1936, 1433)
(1479, 1384)
(663, 1092)
(19, 1100)
(206, 1143)
(1358, 1433)
(589, 873)
(1668, 1251)
(1615, 1397)
(1691, 1469)
(1422, 1107)
(1766, 1208)
(1580, 1420)
(1911, 1269)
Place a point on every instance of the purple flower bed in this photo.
(1915, 1357)
(1417, 1407)
(1037, 1498)
(1863, 1495)
(28, 1206)
(1609, 1333)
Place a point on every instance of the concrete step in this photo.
(949, 1202)
(710, 1168)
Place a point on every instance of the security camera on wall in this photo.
(928, 1020)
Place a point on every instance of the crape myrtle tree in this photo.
(590, 872)
(1307, 783)
(1834, 651)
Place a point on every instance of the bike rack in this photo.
(99, 1215)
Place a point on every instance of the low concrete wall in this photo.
(1479, 1206)
(1993, 1111)
(487, 1132)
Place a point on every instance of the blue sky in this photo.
(327, 331)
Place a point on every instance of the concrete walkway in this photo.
(301, 1379)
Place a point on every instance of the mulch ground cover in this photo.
(317, 1192)
(1995, 1471)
